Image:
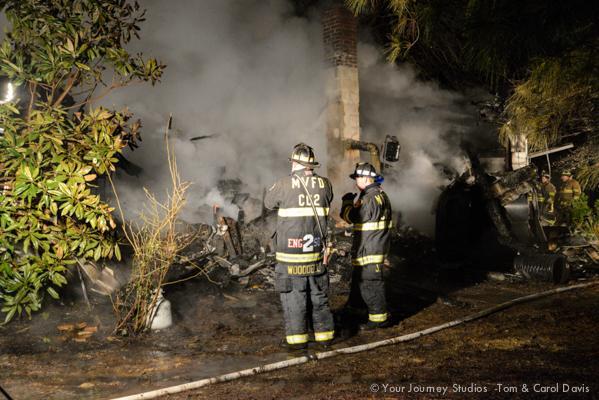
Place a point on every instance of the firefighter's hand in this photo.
(349, 197)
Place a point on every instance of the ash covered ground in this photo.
(224, 323)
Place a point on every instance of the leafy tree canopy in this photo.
(62, 56)
(494, 40)
(542, 56)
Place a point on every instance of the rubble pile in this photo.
(582, 256)
(229, 250)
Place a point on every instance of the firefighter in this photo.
(547, 199)
(569, 191)
(372, 220)
(303, 200)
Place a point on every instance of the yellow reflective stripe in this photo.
(379, 199)
(567, 191)
(297, 339)
(377, 317)
(372, 259)
(300, 258)
(322, 336)
(346, 214)
(373, 226)
(303, 212)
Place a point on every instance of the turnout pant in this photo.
(564, 215)
(298, 295)
(367, 283)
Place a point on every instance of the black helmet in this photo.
(365, 169)
(304, 155)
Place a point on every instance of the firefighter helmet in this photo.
(546, 174)
(365, 169)
(566, 172)
(304, 155)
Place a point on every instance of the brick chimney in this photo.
(340, 31)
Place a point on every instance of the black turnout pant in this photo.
(299, 294)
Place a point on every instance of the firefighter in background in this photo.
(372, 222)
(547, 199)
(569, 191)
(303, 200)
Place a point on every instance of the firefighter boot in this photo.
(293, 346)
(371, 325)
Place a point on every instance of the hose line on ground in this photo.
(349, 350)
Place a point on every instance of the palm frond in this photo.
(558, 99)
(360, 7)
(588, 176)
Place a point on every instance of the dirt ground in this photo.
(542, 344)
(549, 345)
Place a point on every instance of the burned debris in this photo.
(492, 218)
(136, 287)
(228, 250)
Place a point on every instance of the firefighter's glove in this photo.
(347, 197)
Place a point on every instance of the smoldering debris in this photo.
(228, 250)
(233, 249)
(492, 218)
(201, 137)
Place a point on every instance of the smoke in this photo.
(249, 74)
(430, 124)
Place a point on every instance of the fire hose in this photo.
(350, 350)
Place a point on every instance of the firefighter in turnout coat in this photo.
(303, 200)
(568, 192)
(547, 199)
(372, 220)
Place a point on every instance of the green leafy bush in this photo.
(55, 144)
(585, 218)
(581, 210)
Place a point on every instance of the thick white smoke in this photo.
(250, 74)
(429, 122)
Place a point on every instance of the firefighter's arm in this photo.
(329, 192)
(347, 206)
(551, 201)
(355, 213)
(272, 198)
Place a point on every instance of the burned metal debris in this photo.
(491, 218)
(224, 250)
(229, 250)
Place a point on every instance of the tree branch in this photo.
(33, 95)
(67, 88)
(114, 85)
